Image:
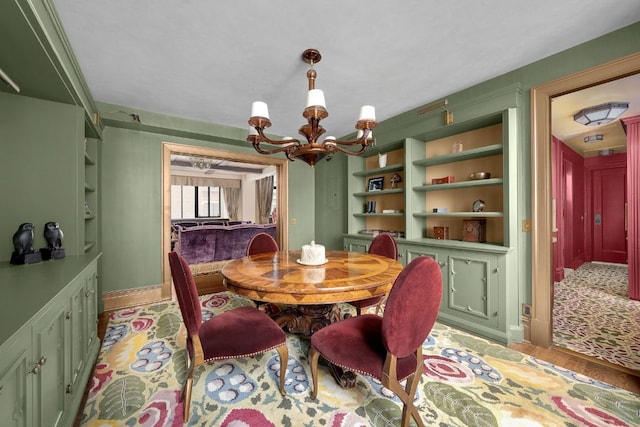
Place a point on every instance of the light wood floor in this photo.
(600, 370)
(606, 372)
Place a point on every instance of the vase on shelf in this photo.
(382, 160)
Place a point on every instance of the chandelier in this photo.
(201, 163)
(312, 149)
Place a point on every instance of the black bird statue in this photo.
(23, 246)
(23, 239)
(53, 235)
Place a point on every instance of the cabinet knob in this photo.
(89, 293)
(68, 316)
(69, 388)
(35, 370)
(442, 263)
(42, 360)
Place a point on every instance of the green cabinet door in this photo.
(91, 311)
(15, 383)
(76, 318)
(47, 361)
(472, 293)
(356, 245)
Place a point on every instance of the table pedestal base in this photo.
(346, 379)
(306, 319)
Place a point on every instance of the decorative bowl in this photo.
(480, 175)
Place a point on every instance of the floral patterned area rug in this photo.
(593, 315)
(467, 381)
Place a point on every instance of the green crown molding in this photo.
(164, 124)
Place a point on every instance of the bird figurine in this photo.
(53, 235)
(23, 239)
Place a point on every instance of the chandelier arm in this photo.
(286, 149)
(360, 141)
(351, 152)
(264, 138)
(287, 153)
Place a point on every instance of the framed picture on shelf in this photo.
(375, 184)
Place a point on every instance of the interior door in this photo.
(609, 215)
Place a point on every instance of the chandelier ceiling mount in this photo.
(312, 149)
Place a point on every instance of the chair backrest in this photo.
(186, 292)
(261, 243)
(412, 306)
(384, 244)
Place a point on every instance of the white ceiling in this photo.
(209, 60)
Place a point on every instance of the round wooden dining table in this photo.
(310, 293)
(279, 277)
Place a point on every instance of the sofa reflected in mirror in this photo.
(207, 248)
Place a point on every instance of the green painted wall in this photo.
(40, 170)
(131, 188)
(331, 202)
(41, 166)
(410, 125)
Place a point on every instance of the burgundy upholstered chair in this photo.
(383, 244)
(388, 348)
(241, 332)
(261, 243)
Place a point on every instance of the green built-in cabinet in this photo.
(49, 343)
(480, 292)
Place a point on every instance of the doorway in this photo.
(541, 185)
(282, 201)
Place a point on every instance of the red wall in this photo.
(574, 244)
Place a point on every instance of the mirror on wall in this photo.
(210, 186)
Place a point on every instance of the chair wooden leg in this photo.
(284, 359)
(409, 409)
(406, 394)
(186, 413)
(313, 362)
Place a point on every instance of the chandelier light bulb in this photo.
(315, 98)
(367, 112)
(330, 140)
(259, 109)
(361, 132)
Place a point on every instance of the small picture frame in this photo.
(376, 184)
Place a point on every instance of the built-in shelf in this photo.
(461, 184)
(459, 214)
(378, 171)
(91, 189)
(379, 214)
(474, 153)
(88, 160)
(379, 192)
